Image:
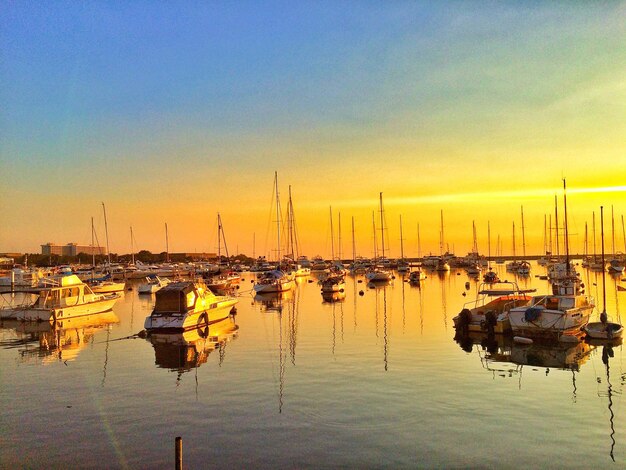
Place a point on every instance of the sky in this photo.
(170, 112)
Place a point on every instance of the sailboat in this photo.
(302, 266)
(523, 268)
(275, 280)
(104, 284)
(225, 278)
(335, 281)
(378, 273)
(417, 275)
(616, 263)
(565, 311)
(442, 263)
(403, 264)
(490, 276)
(603, 329)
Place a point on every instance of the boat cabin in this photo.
(177, 297)
(67, 291)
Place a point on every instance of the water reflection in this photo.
(181, 352)
(496, 351)
(62, 341)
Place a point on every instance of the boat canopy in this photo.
(177, 297)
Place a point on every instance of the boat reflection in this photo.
(496, 350)
(332, 297)
(60, 341)
(183, 351)
(274, 301)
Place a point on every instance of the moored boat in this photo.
(187, 304)
(58, 298)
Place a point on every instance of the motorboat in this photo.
(416, 276)
(153, 284)
(57, 298)
(187, 304)
(273, 281)
(489, 312)
(105, 285)
(491, 277)
(333, 283)
(565, 311)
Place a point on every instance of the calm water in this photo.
(368, 381)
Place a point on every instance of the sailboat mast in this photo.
(441, 235)
(623, 234)
(488, 244)
(603, 270)
(382, 226)
(612, 231)
(291, 226)
(332, 235)
(339, 229)
(278, 254)
(132, 246)
(513, 240)
(401, 241)
(545, 238)
(593, 227)
(475, 242)
(93, 251)
(419, 246)
(353, 243)
(374, 231)
(566, 233)
(556, 226)
(106, 231)
(167, 245)
(219, 240)
(523, 236)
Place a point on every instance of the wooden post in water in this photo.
(179, 453)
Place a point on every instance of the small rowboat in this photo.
(599, 330)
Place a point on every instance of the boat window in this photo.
(552, 304)
(567, 303)
(191, 299)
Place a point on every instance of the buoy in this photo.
(361, 292)
(522, 340)
(463, 294)
(360, 281)
(458, 274)
(467, 285)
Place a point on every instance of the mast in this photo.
(586, 244)
(513, 240)
(550, 233)
(545, 238)
(475, 243)
(106, 231)
(332, 236)
(566, 233)
(219, 241)
(382, 226)
(441, 236)
(374, 229)
(132, 248)
(278, 254)
(339, 230)
(419, 247)
(623, 234)
(556, 225)
(353, 243)
(488, 244)
(167, 245)
(593, 225)
(603, 270)
(93, 252)
(401, 241)
(291, 227)
(612, 232)
(523, 236)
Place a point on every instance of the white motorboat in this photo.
(186, 305)
(333, 283)
(153, 284)
(489, 312)
(273, 281)
(57, 299)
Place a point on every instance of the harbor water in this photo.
(368, 378)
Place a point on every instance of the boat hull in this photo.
(196, 319)
(550, 323)
(52, 314)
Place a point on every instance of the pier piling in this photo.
(179, 453)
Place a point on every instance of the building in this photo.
(71, 249)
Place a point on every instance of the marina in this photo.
(343, 378)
